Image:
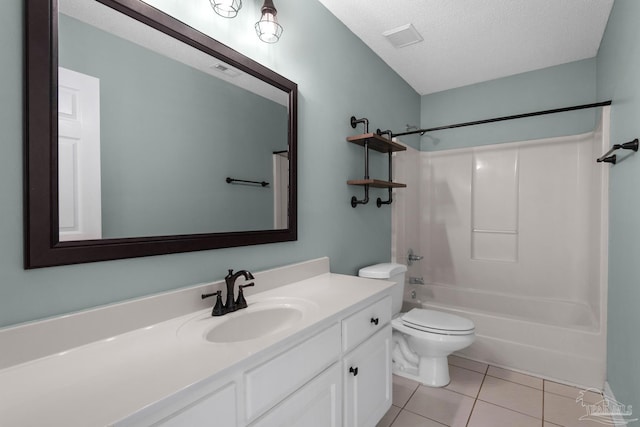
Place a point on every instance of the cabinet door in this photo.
(367, 381)
(274, 380)
(316, 404)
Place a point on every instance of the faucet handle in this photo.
(241, 302)
(218, 308)
(203, 296)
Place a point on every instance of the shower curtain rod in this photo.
(500, 119)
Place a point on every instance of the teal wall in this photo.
(170, 135)
(554, 87)
(338, 76)
(618, 79)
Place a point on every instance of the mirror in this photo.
(146, 137)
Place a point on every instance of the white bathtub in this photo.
(558, 340)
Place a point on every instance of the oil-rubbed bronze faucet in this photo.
(231, 304)
(230, 280)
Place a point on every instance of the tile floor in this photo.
(480, 395)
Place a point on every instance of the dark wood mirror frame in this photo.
(42, 246)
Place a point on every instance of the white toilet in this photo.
(422, 338)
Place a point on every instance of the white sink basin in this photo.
(254, 324)
(261, 318)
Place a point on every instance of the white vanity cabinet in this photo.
(127, 371)
(338, 376)
(367, 368)
(302, 386)
(355, 392)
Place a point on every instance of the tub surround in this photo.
(143, 358)
(514, 237)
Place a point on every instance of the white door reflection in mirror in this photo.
(280, 189)
(80, 211)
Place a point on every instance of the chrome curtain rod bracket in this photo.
(608, 158)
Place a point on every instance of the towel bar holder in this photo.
(608, 158)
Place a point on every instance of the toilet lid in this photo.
(437, 322)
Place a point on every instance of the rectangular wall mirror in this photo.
(146, 137)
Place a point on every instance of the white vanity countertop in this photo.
(105, 381)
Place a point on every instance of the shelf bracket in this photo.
(364, 120)
(354, 201)
(389, 200)
(381, 202)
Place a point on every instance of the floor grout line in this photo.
(476, 399)
(543, 390)
(395, 418)
(543, 399)
(414, 392)
(515, 382)
(578, 390)
(511, 409)
(422, 416)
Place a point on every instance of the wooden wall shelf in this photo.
(370, 140)
(376, 142)
(376, 183)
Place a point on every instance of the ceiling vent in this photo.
(403, 36)
(225, 69)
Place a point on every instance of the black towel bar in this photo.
(607, 158)
(232, 180)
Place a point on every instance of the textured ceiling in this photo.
(102, 17)
(471, 41)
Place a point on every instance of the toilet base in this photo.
(435, 370)
(432, 371)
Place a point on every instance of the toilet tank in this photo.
(392, 272)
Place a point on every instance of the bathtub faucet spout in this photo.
(411, 257)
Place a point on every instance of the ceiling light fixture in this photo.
(267, 28)
(226, 8)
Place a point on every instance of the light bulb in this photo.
(226, 8)
(267, 28)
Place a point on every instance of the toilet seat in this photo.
(437, 322)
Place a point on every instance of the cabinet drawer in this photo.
(358, 327)
(272, 381)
